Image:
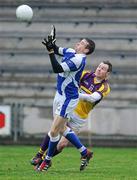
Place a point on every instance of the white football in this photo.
(24, 13)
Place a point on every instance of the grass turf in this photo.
(107, 164)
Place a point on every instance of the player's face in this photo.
(102, 71)
(81, 47)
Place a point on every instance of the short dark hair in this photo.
(90, 46)
(109, 65)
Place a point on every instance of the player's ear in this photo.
(86, 51)
(107, 75)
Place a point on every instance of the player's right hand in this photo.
(48, 43)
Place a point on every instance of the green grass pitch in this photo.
(107, 164)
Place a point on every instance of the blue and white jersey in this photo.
(73, 65)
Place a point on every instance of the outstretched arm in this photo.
(56, 50)
(52, 38)
(57, 68)
(90, 97)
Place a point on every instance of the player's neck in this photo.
(99, 79)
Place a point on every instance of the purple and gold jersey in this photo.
(89, 85)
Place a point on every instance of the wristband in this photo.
(51, 51)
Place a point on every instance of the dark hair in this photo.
(90, 46)
(109, 65)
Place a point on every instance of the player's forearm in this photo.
(90, 97)
(57, 68)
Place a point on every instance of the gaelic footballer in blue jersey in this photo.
(66, 98)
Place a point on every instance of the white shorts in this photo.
(75, 122)
(63, 106)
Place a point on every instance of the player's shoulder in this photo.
(80, 57)
(69, 50)
(106, 87)
(86, 73)
(106, 83)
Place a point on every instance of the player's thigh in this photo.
(56, 103)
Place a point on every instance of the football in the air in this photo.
(24, 13)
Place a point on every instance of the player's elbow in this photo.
(58, 69)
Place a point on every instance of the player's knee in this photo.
(62, 130)
(53, 133)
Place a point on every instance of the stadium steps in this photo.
(12, 43)
(69, 29)
(78, 14)
(37, 76)
(41, 85)
(21, 91)
(23, 58)
(27, 89)
(30, 52)
(72, 3)
(45, 91)
(42, 66)
(121, 47)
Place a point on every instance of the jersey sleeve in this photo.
(61, 50)
(71, 64)
(83, 74)
(64, 51)
(90, 97)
